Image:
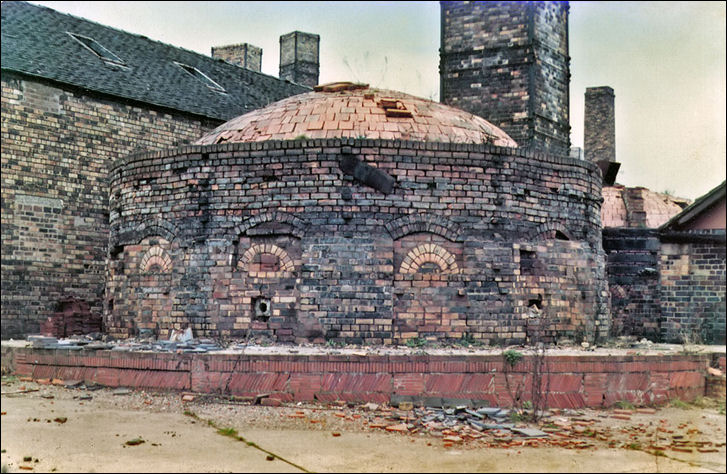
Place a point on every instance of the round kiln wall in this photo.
(274, 238)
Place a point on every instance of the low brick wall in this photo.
(573, 381)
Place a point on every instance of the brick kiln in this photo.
(357, 215)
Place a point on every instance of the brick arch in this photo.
(548, 231)
(286, 263)
(155, 228)
(298, 225)
(156, 255)
(413, 223)
(429, 253)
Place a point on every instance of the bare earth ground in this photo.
(57, 429)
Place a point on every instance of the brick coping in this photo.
(351, 146)
(657, 349)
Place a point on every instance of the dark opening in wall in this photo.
(262, 309)
(537, 302)
(560, 235)
(527, 262)
(115, 251)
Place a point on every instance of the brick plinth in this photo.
(571, 381)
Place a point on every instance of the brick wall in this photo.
(573, 381)
(57, 147)
(693, 287)
(508, 63)
(633, 280)
(438, 257)
(665, 286)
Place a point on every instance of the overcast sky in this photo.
(664, 60)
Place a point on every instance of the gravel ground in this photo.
(346, 438)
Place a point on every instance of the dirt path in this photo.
(316, 438)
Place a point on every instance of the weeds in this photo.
(231, 432)
(676, 403)
(624, 405)
(533, 408)
(467, 340)
(517, 417)
(416, 342)
(512, 357)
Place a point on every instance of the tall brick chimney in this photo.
(508, 62)
(299, 53)
(244, 55)
(599, 131)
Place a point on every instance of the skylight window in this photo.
(96, 48)
(200, 76)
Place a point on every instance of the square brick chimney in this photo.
(299, 58)
(599, 131)
(244, 55)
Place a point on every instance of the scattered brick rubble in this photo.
(184, 343)
(460, 425)
(570, 429)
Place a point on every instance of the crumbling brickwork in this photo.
(666, 286)
(633, 278)
(508, 63)
(57, 147)
(693, 288)
(275, 238)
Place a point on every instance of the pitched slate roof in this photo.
(36, 42)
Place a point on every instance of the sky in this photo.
(664, 60)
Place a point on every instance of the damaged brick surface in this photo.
(250, 239)
(465, 381)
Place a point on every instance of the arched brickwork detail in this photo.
(155, 227)
(285, 263)
(298, 226)
(156, 256)
(413, 223)
(550, 231)
(428, 253)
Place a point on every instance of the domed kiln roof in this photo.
(347, 110)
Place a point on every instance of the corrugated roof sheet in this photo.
(35, 41)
